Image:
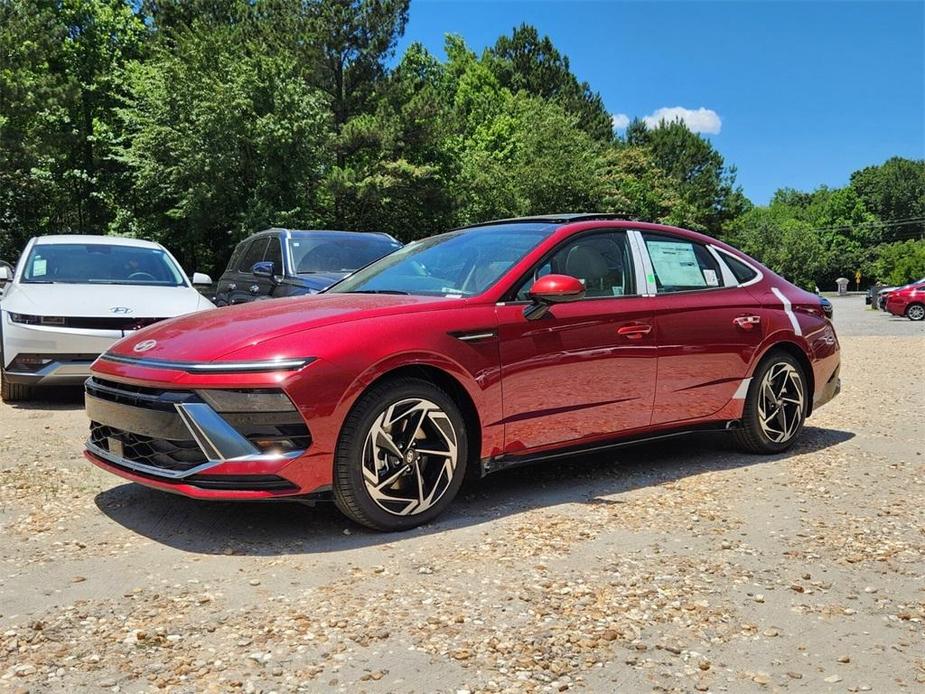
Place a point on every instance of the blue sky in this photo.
(803, 93)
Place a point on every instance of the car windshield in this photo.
(337, 253)
(459, 263)
(101, 263)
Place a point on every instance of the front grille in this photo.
(176, 456)
(142, 424)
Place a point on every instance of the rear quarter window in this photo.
(742, 272)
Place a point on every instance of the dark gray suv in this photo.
(289, 262)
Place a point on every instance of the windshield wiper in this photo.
(376, 291)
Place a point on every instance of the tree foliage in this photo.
(196, 122)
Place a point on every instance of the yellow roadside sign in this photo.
(857, 279)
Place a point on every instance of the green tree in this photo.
(63, 62)
(706, 185)
(525, 61)
(894, 191)
(900, 262)
(222, 139)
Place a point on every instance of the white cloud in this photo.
(701, 120)
(619, 120)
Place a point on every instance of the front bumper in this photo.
(829, 390)
(71, 351)
(63, 370)
(176, 440)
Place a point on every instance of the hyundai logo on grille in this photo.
(145, 345)
(121, 310)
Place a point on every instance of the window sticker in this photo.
(675, 264)
(710, 277)
(39, 267)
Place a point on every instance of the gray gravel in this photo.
(684, 566)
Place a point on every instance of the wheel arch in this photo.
(446, 381)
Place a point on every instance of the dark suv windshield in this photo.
(101, 263)
(459, 263)
(330, 252)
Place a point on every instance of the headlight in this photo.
(27, 319)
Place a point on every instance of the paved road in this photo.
(674, 567)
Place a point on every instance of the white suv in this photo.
(72, 296)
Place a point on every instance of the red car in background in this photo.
(465, 353)
(908, 301)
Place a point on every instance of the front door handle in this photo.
(634, 332)
(254, 289)
(747, 322)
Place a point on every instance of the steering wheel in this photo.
(142, 276)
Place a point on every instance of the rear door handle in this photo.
(747, 322)
(634, 332)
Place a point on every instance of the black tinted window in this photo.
(275, 255)
(742, 272)
(253, 254)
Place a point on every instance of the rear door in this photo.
(708, 328)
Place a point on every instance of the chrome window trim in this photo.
(729, 280)
(642, 264)
(212, 367)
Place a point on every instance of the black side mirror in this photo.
(264, 269)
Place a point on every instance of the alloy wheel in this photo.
(409, 457)
(916, 312)
(781, 402)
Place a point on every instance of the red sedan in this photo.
(465, 353)
(908, 301)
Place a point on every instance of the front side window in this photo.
(274, 255)
(101, 263)
(602, 262)
(253, 254)
(681, 265)
(459, 263)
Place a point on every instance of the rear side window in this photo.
(681, 265)
(253, 254)
(742, 272)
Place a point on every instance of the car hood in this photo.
(317, 281)
(208, 336)
(107, 300)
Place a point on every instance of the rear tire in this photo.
(12, 392)
(402, 455)
(915, 312)
(775, 407)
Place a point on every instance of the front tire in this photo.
(775, 407)
(401, 457)
(915, 312)
(12, 392)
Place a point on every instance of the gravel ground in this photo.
(683, 566)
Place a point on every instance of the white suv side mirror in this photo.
(201, 279)
(6, 274)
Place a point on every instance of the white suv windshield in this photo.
(100, 263)
(460, 263)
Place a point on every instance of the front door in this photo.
(586, 370)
